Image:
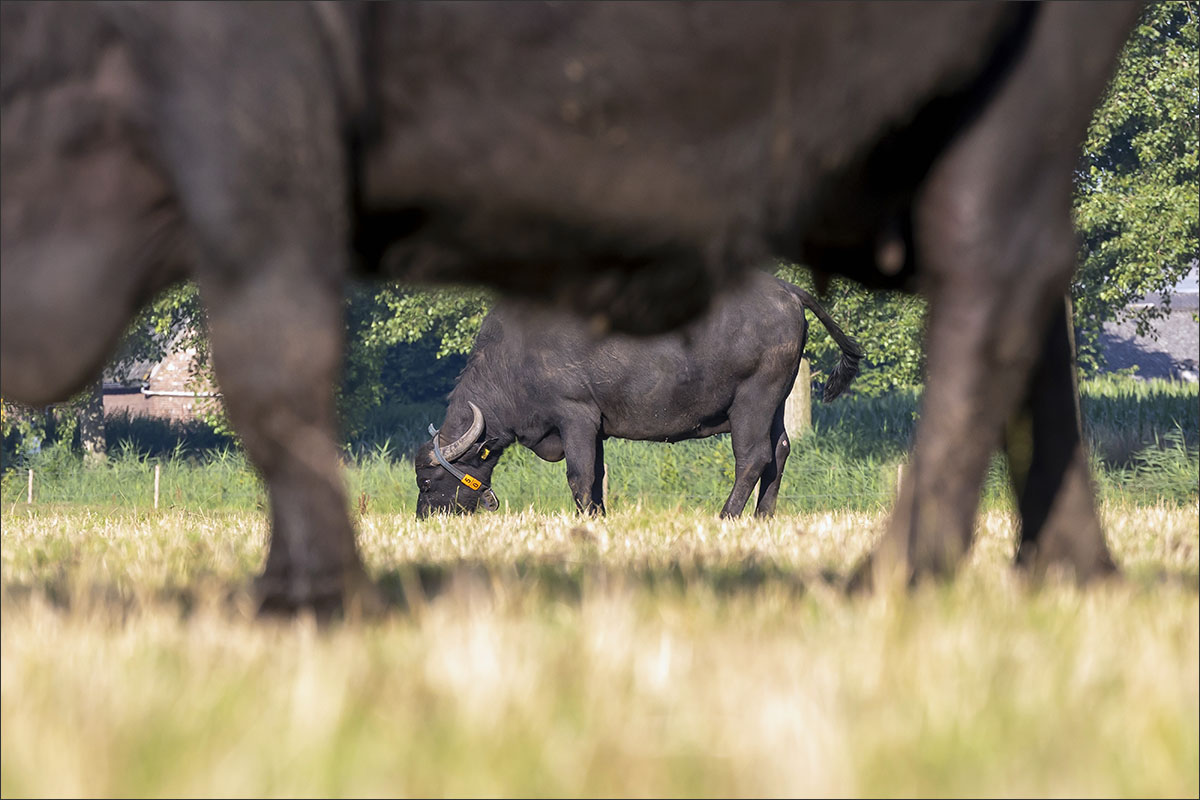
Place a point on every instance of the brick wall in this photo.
(172, 374)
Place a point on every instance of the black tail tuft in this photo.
(852, 351)
(842, 375)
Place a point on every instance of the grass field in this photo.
(652, 653)
(657, 651)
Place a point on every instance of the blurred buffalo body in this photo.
(624, 160)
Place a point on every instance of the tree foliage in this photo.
(174, 320)
(1137, 208)
(406, 345)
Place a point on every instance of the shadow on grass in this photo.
(567, 581)
(409, 588)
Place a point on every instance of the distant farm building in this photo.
(167, 389)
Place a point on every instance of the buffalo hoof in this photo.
(342, 596)
(862, 578)
(869, 576)
(1045, 563)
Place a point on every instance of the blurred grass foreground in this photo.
(656, 651)
(648, 653)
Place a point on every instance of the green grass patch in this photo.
(1143, 438)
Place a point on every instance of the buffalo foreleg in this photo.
(265, 199)
(277, 342)
(1049, 467)
(585, 466)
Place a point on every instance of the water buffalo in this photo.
(624, 160)
(541, 377)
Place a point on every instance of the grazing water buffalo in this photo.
(620, 159)
(542, 378)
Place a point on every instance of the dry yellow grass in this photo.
(642, 654)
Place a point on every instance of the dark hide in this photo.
(621, 159)
(543, 378)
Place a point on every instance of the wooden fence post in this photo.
(797, 409)
(29, 492)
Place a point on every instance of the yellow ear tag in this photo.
(471, 482)
(484, 454)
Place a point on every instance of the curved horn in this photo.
(458, 447)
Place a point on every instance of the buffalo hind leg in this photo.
(752, 452)
(277, 341)
(768, 487)
(1049, 467)
(996, 247)
(990, 297)
(962, 415)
